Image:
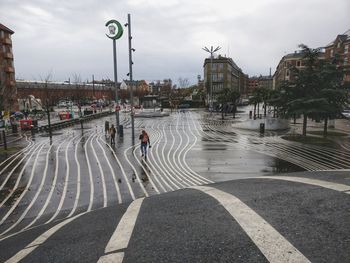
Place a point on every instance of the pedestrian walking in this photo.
(106, 127)
(144, 138)
(112, 132)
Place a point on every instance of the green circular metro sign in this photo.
(115, 29)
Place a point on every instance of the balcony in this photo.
(8, 55)
(9, 69)
(10, 83)
(5, 40)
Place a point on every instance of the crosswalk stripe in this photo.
(121, 236)
(270, 242)
(115, 258)
(39, 240)
(330, 185)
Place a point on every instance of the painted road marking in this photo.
(325, 184)
(121, 236)
(40, 240)
(26, 188)
(270, 242)
(115, 258)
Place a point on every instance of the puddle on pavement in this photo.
(281, 166)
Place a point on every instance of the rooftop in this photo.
(344, 37)
(4, 28)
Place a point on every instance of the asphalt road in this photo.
(78, 188)
(266, 219)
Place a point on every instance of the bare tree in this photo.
(47, 79)
(77, 82)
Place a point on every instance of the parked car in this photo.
(346, 113)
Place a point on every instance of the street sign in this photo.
(115, 29)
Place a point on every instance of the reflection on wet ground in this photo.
(281, 166)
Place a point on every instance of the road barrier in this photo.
(70, 122)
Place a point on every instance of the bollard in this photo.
(262, 128)
(121, 132)
(250, 114)
(14, 128)
(4, 138)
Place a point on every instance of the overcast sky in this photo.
(68, 37)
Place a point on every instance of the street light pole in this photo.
(115, 32)
(116, 82)
(131, 81)
(48, 110)
(211, 51)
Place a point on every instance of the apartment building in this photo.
(257, 82)
(283, 70)
(220, 73)
(340, 47)
(7, 72)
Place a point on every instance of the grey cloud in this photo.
(69, 36)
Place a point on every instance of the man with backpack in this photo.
(144, 138)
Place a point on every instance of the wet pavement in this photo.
(81, 172)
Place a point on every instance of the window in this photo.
(338, 45)
(332, 52)
(298, 63)
(221, 76)
(214, 66)
(221, 66)
(346, 49)
(346, 60)
(218, 87)
(287, 73)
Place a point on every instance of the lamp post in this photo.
(48, 110)
(211, 51)
(115, 32)
(131, 81)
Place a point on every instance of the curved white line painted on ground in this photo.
(92, 189)
(145, 170)
(66, 181)
(20, 174)
(268, 240)
(179, 170)
(156, 171)
(16, 155)
(114, 177)
(159, 161)
(32, 149)
(104, 189)
(39, 241)
(123, 171)
(77, 196)
(34, 198)
(183, 151)
(25, 189)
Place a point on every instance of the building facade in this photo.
(221, 73)
(283, 70)
(340, 47)
(7, 71)
(54, 92)
(258, 82)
